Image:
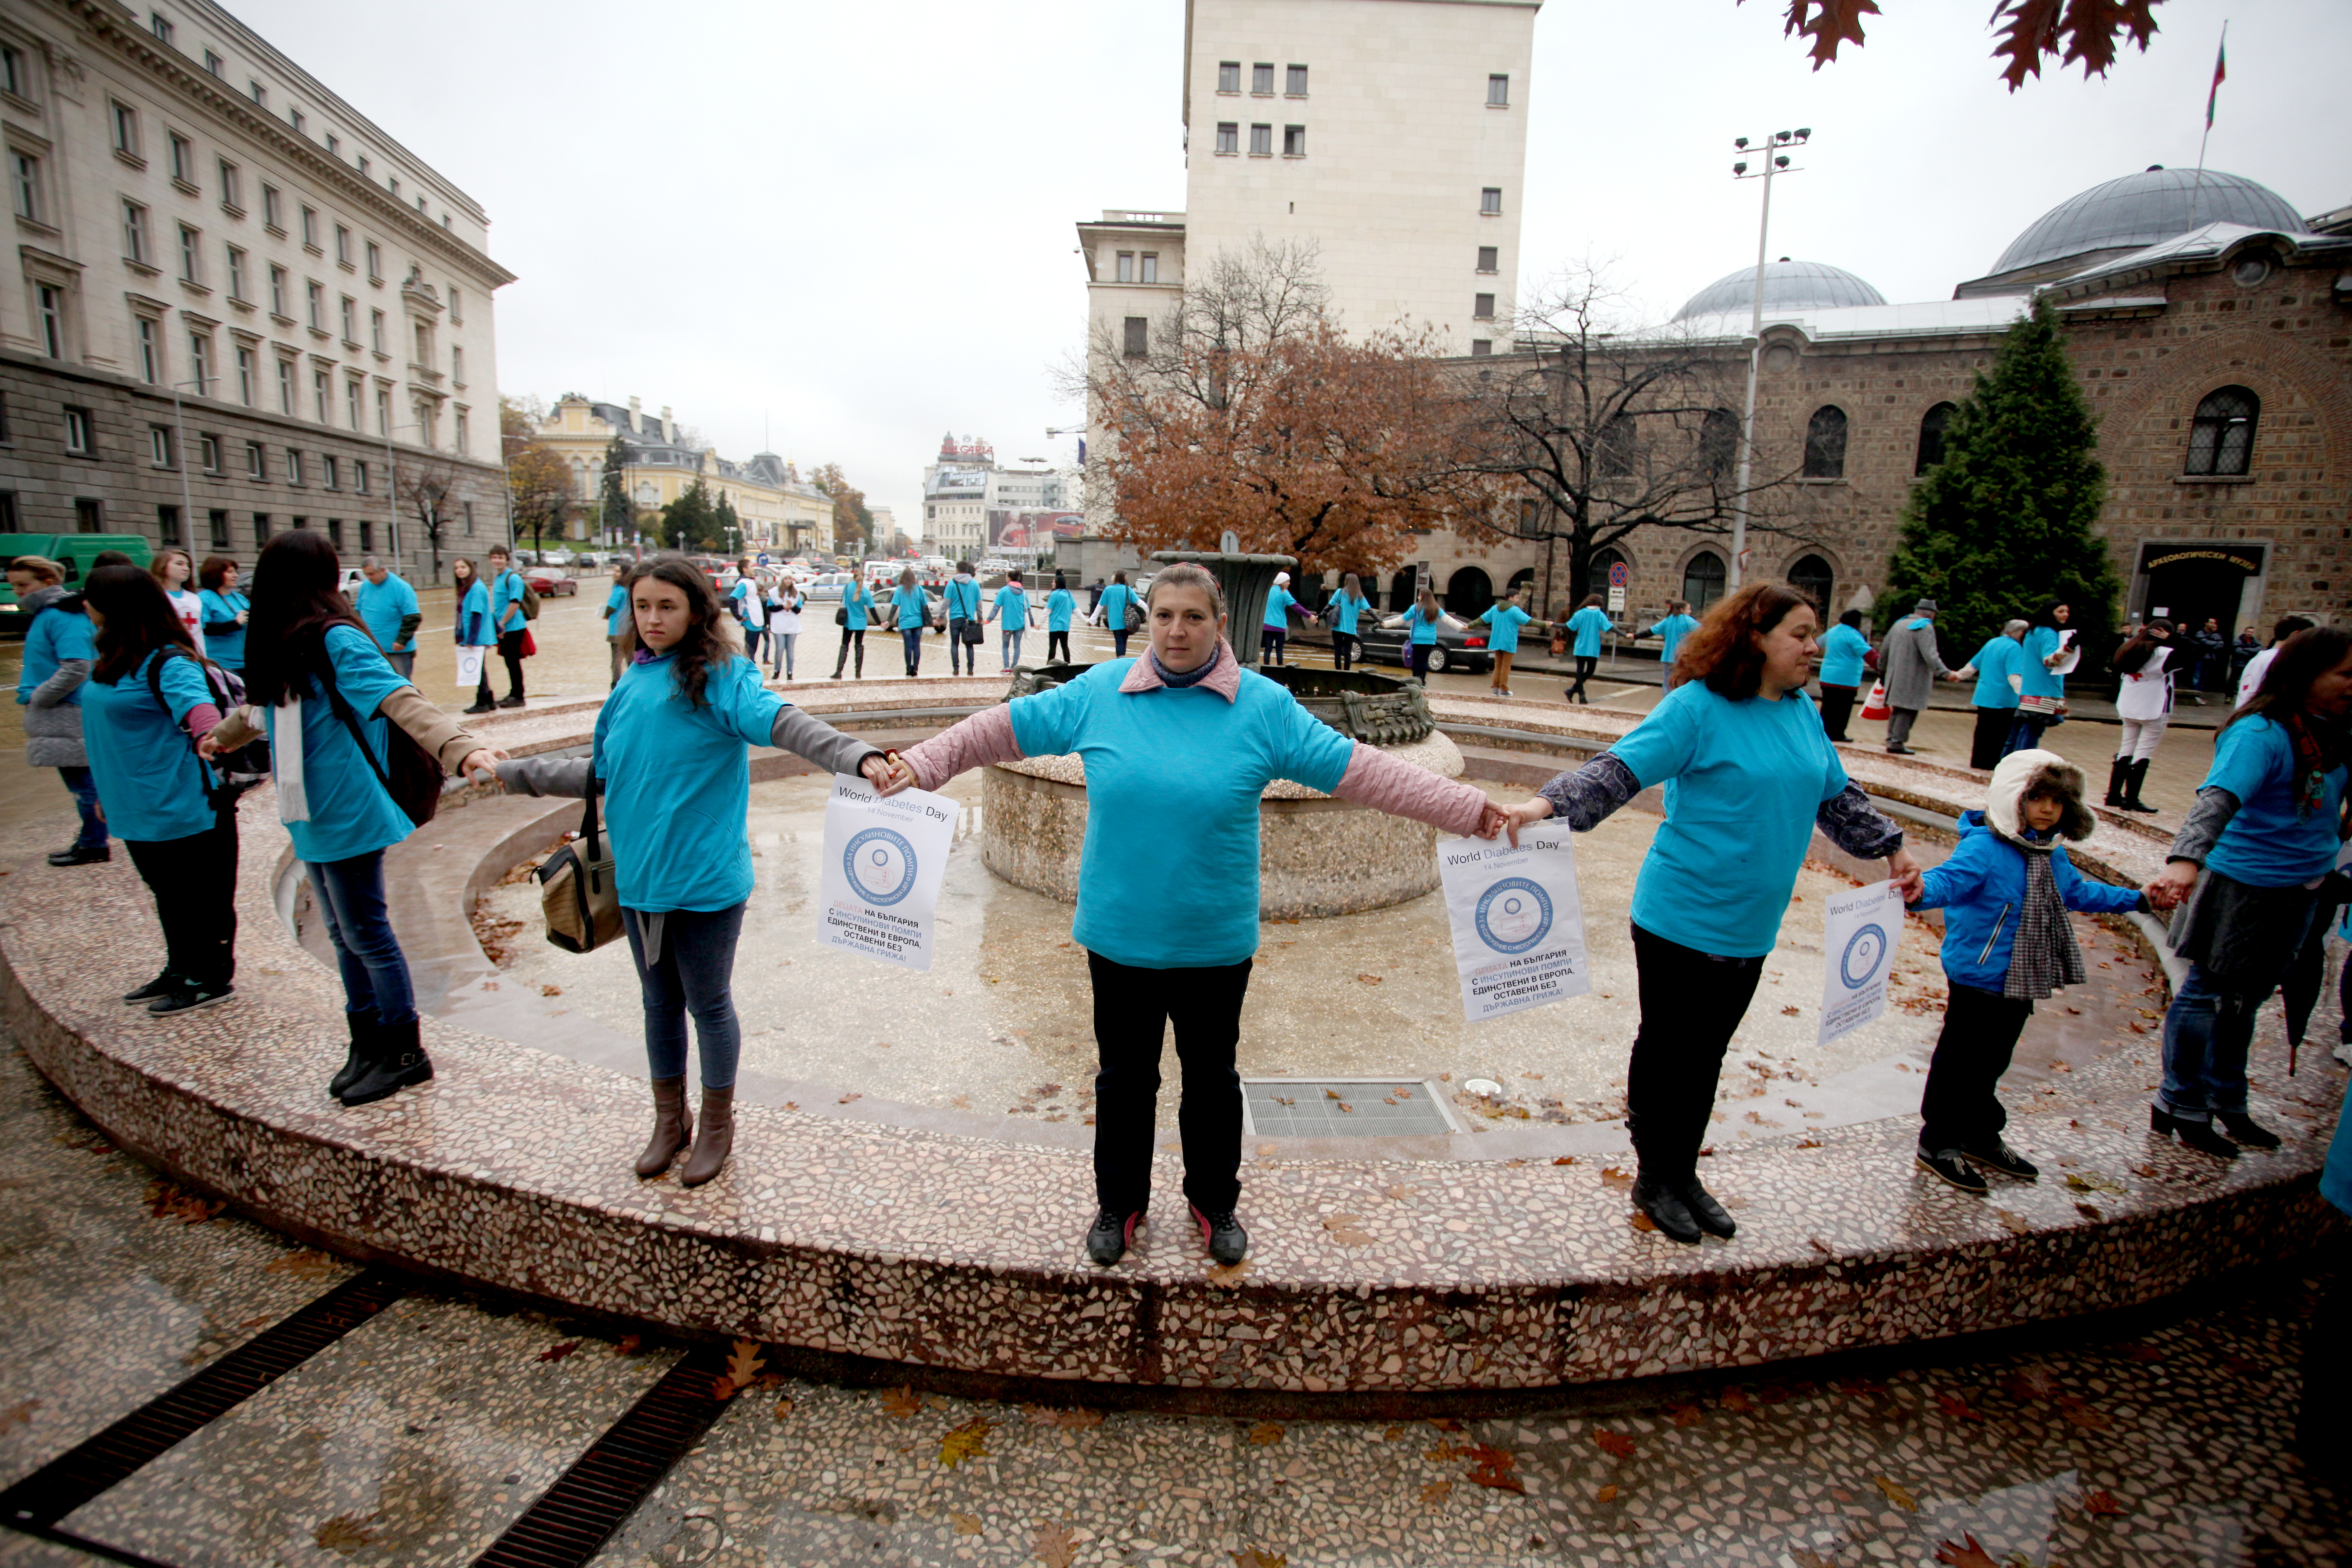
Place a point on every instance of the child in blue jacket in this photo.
(2004, 891)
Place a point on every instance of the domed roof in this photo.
(2146, 208)
(1788, 286)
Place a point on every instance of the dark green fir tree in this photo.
(2002, 526)
(616, 516)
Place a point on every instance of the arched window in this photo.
(1718, 443)
(2221, 439)
(1468, 591)
(1616, 448)
(1932, 425)
(1825, 444)
(1702, 580)
(1811, 576)
(1401, 592)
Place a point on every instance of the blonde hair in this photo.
(1189, 574)
(39, 566)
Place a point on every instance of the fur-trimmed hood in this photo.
(2017, 774)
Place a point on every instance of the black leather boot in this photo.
(2131, 782)
(361, 1026)
(393, 1059)
(1663, 1203)
(2116, 773)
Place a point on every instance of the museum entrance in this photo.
(2189, 584)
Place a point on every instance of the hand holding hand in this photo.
(2170, 885)
(887, 772)
(209, 747)
(483, 760)
(1526, 814)
(1907, 874)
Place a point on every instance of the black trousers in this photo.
(510, 654)
(1692, 1003)
(1993, 725)
(1837, 707)
(1343, 650)
(1270, 640)
(1958, 1109)
(1585, 665)
(1057, 640)
(193, 880)
(1133, 1009)
(851, 637)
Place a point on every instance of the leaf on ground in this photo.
(1435, 1493)
(1229, 1273)
(346, 1533)
(557, 1352)
(1806, 1557)
(1641, 1221)
(1616, 1443)
(1953, 1406)
(783, 1406)
(1265, 1435)
(1565, 1160)
(1254, 1558)
(969, 1441)
(2087, 1212)
(2102, 1504)
(1687, 1415)
(845, 1099)
(1055, 1546)
(1735, 1398)
(2088, 1419)
(1491, 1466)
(2087, 1181)
(1075, 1420)
(307, 1264)
(2016, 1223)
(901, 1403)
(1612, 1176)
(627, 1344)
(551, 991)
(1966, 1554)
(743, 1366)
(1401, 1194)
(1347, 1230)
(169, 1200)
(967, 1523)
(1369, 979)
(20, 1414)
(1898, 1494)
(1444, 1453)
(1330, 1094)
(1606, 1494)
(1789, 1012)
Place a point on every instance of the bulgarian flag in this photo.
(2220, 71)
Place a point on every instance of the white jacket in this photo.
(2147, 692)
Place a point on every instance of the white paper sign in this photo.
(879, 879)
(1519, 922)
(2073, 655)
(469, 667)
(1858, 952)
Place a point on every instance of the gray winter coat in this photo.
(1911, 663)
(52, 725)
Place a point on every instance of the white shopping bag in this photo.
(879, 877)
(469, 667)
(1519, 922)
(1858, 952)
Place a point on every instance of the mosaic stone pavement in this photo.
(2148, 1442)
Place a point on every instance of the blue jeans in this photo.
(375, 971)
(913, 637)
(1012, 648)
(2207, 1032)
(85, 793)
(963, 657)
(782, 647)
(694, 973)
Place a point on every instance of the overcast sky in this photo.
(842, 229)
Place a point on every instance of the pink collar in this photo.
(1226, 680)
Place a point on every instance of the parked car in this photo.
(1458, 647)
(555, 558)
(349, 581)
(548, 581)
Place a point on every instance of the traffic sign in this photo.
(1616, 601)
(1620, 574)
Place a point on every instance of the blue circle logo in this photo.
(1513, 915)
(881, 865)
(1865, 954)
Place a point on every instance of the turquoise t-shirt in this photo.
(913, 607)
(148, 776)
(1113, 604)
(857, 608)
(1060, 605)
(1743, 781)
(678, 782)
(616, 611)
(1278, 602)
(351, 813)
(2335, 1176)
(2271, 843)
(1344, 611)
(2041, 642)
(1841, 652)
(1169, 756)
(382, 606)
(1505, 621)
(506, 604)
(223, 648)
(1425, 632)
(1012, 607)
(1996, 662)
(55, 637)
(1673, 631)
(1587, 624)
(473, 627)
(962, 596)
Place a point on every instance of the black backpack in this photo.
(409, 773)
(251, 759)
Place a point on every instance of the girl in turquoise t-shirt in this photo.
(1009, 608)
(856, 614)
(1421, 625)
(1111, 610)
(1344, 613)
(1504, 618)
(1060, 605)
(1671, 629)
(1749, 776)
(226, 612)
(1585, 627)
(616, 612)
(1275, 634)
(913, 607)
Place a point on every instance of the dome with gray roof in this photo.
(2143, 209)
(1788, 286)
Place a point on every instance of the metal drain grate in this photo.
(1343, 1108)
(105, 1460)
(573, 1519)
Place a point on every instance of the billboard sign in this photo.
(1031, 530)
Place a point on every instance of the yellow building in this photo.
(781, 512)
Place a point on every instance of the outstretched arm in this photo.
(1387, 784)
(1849, 821)
(1581, 797)
(985, 737)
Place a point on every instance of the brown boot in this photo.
(713, 1138)
(673, 1125)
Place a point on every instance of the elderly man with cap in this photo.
(1911, 664)
(1277, 632)
(387, 605)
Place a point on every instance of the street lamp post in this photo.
(1776, 162)
(180, 451)
(391, 487)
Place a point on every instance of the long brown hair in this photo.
(2287, 685)
(139, 620)
(299, 599)
(155, 569)
(702, 647)
(1728, 650)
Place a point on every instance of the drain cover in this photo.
(1342, 1108)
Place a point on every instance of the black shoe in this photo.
(1666, 1210)
(83, 855)
(2247, 1132)
(1109, 1237)
(1901, 752)
(1948, 1164)
(481, 708)
(361, 1026)
(2197, 1135)
(2003, 1159)
(1712, 1216)
(514, 701)
(187, 996)
(394, 1060)
(1221, 1234)
(155, 990)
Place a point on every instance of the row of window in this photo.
(1293, 81)
(81, 431)
(90, 517)
(1261, 140)
(2221, 437)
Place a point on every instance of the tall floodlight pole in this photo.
(1775, 161)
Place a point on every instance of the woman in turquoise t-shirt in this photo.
(328, 697)
(913, 613)
(226, 612)
(1274, 635)
(143, 709)
(1010, 608)
(1060, 605)
(1111, 610)
(1344, 613)
(1183, 735)
(2039, 688)
(1504, 618)
(1998, 677)
(1421, 625)
(856, 614)
(473, 625)
(2263, 830)
(1670, 630)
(672, 762)
(1842, 652)
(1586, 626)
(617, 612)
(1749, 776)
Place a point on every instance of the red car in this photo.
(547, 581)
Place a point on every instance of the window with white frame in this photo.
(311, 229)
(286, 386)
(375, 262)
(159, 445)
(208, 452)
(50, 308)
(1294, 141)
(1126, 267)
(1229, 75)
(273, 213)
(1229, 136)
(134, 233)
(229, 185)
(375, 331)
(334, 473)
(212, 63)
(351, 320)
(342, 246)
(256, 462)
(318, 393)
(200, 360)
(191, 247)
(294, 118)
(184, 158)
(1148, 267)
(277, 291)
(244, 368)
(235, 273)
(81, 434)
(314, 295)
(457, 306)
(457, 364)
(16, 74)
(461, 431)
(1295, 81)
(352, 406)
(1262, 78)
(151, 348)
(1261, 140)
(293, 467)
(384, 411)
(25, 185)
(126, 130)
(160, 25)
(1498, 91)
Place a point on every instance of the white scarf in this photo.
(286, 759)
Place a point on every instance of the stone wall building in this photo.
(196, 213)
